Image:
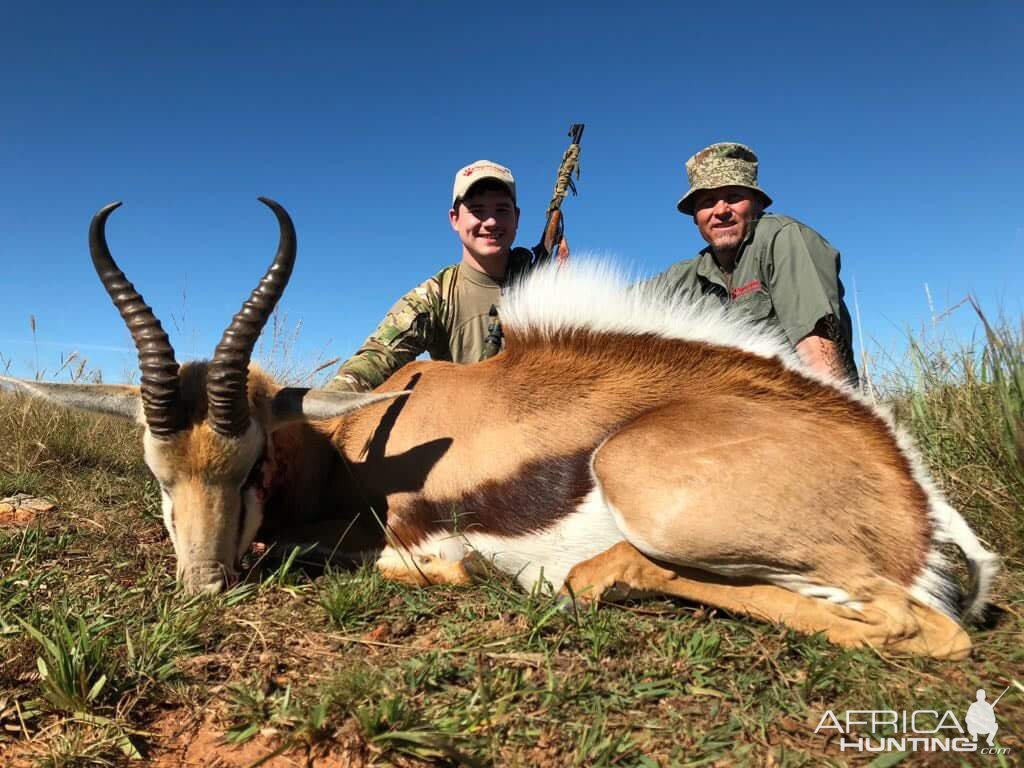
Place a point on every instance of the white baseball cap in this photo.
(478, 171)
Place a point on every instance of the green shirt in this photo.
(786, 276)
(446, 316)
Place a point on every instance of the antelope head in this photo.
(206, 424)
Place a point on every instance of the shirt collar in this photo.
(518, 260)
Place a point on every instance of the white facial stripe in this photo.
(167, 505)
(153, 451)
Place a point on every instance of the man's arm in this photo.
(406, 331)
(821, 354)
(806, 293)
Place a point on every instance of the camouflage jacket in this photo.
(447, 316)
(786, 276)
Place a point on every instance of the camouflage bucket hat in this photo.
(721, 165)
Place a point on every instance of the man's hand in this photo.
(821, 354)
(562, 251)
(345, 382)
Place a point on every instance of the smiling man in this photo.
(448, 316)
(775, 269)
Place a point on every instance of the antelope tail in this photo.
(982, 565)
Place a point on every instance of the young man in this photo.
(448, 315)
(775, 269)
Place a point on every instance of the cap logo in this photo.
(474, 168)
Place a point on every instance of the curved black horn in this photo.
(161, 398)
(228, 373)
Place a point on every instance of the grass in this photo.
(102, 662)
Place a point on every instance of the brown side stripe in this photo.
(538, 497)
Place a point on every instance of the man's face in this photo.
(486, 222)
(724, 215)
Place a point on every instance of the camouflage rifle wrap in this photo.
(494, 338)
(552, 237)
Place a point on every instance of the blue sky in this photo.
(894, 129)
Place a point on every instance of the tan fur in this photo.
(712, 500)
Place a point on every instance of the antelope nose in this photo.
(205, 578)
(210, 588)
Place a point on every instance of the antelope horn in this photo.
(228, 372)
(161, 398)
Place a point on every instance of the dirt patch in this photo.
(23, 509)
(180, 741)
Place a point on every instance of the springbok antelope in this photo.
(624, 443)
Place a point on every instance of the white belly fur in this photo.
(546, 555)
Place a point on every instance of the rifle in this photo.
(552, 236)
(554, 228)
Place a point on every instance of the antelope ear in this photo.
(294, 403)
(112, 399)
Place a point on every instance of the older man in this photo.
(775, 269)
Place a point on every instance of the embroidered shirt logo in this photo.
(743, 290)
